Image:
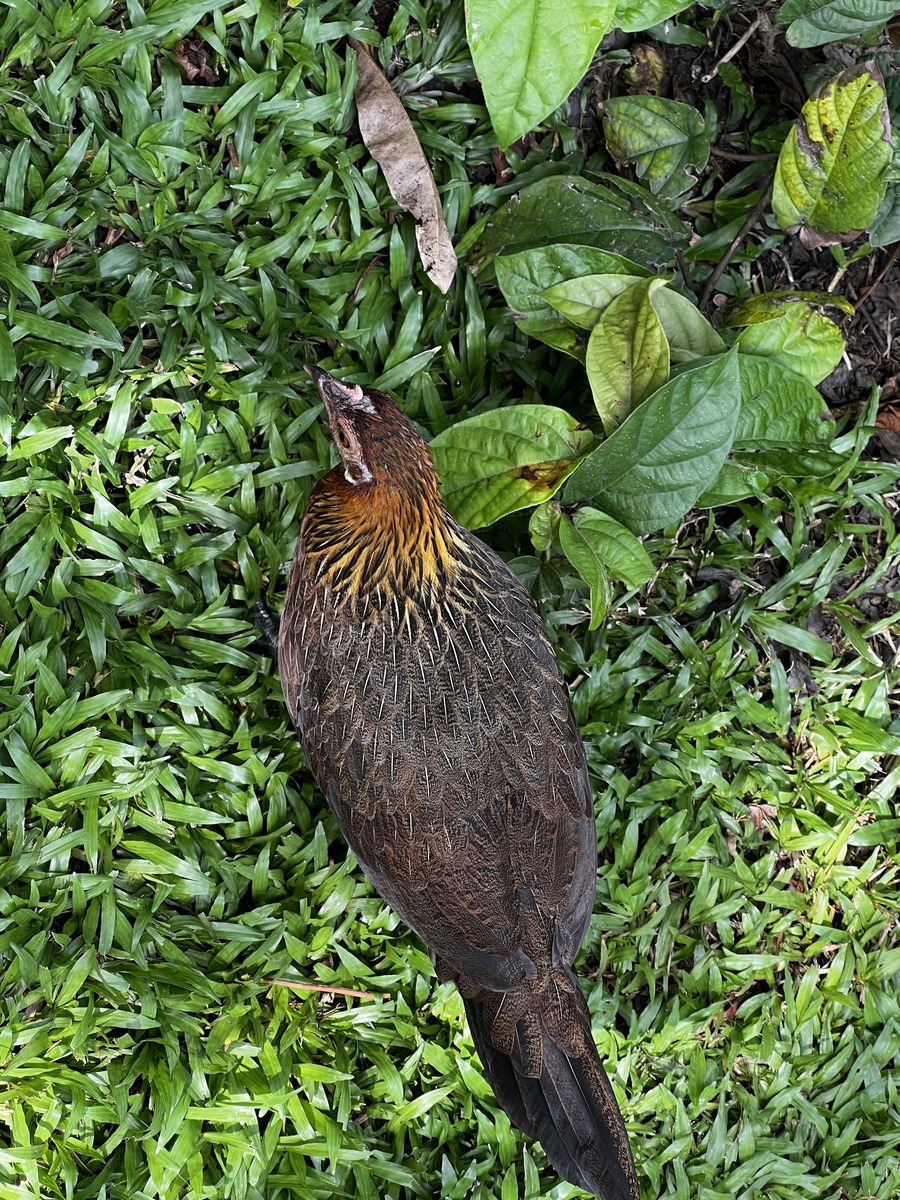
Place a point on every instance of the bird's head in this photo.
(376, 526)
(380, 448)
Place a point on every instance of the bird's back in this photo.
(439, 728)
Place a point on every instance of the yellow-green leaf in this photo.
(832, 170)
(507, 459)
(627, 355)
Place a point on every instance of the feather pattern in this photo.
(434, 716)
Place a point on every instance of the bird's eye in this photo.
(341, 438)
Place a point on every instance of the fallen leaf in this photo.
(731, 586)
(888, 418)
(799, 677)
(890, 393)
(817, 239)
(762, 814)
(58, 255)
(388, 134)
(135, 475)
(502, 169)
(647, 71)
(192, 59)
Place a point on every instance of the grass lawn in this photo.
(178, 237)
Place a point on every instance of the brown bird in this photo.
(434, 716)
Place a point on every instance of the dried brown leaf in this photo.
(889, 418)
(388, 133)
(815, 239)
(762, 814)
(191, 57)
(138, 470)
(502, 169)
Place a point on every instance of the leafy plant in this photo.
(531, 56)
(572, 258)
(668, 439)
(816, 22)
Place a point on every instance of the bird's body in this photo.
(433, 714)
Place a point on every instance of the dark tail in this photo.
(561, 1097)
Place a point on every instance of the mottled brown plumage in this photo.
(433, 714)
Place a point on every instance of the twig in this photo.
(758, 210)
(735, 157)
(324, 987)
(685, 271)
(872, 286)
(877, 335)
(738, 45)
(362, 279)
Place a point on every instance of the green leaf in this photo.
(885, 229)
(413, 1109)
(581, 551)
(734, 482)
(527, 279)
(569, 209)
(779, 406)
(618, 549)
(38, 443)
(8, 366)
(15, 275)
(583, 300)
(64, 333)
(687, 331)
(786, 634)
(77, 976)
(804, 463)
(665, 30)
(543, 527)
(831, 173)
(660, 459)
(627, 356)
(766, 306)
(800, 339)
(659, 138)
(506, 459)
(515, 46)
(41, 231)
(815, 22)
(634, 16)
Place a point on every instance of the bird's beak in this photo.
(336, 395)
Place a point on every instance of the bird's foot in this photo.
(266, 622)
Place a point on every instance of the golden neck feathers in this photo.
(377, 542)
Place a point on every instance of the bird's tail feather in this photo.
(569, 1108)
